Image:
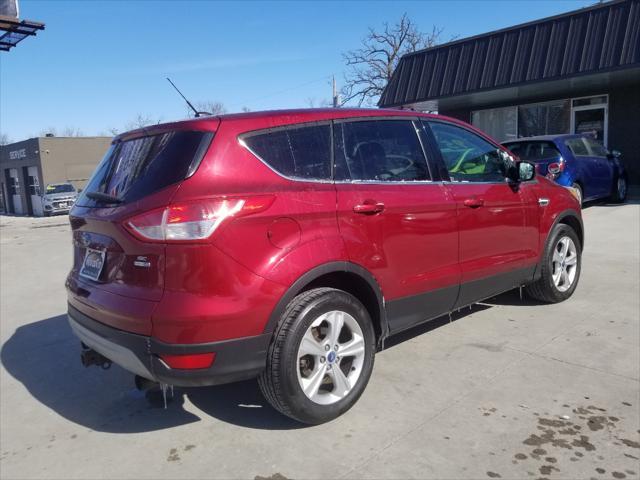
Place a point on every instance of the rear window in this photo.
(300, 152)
(534, 151)
(135, 168)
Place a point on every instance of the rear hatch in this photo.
(541, 152)
(116, 278)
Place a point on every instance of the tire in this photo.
(619, 190)
(288, 369)
(580, 193)
(553, 289)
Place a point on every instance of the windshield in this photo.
(135, 168)
(62, 188)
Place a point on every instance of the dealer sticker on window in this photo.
(93, 263)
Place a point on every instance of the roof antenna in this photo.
(197, 113)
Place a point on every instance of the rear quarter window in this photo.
(297, 152)
(577, 147)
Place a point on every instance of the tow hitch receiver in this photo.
(90, 357)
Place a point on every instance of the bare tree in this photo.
(72, 132)
(4, 139)
(141, 121)
(209, 106)
(371, 66)
(245, 109)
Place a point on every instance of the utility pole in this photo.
(336, 98)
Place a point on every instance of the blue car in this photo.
(577, 161)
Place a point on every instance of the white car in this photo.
(58, 198)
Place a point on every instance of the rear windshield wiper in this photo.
(103, 197)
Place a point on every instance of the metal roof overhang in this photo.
(594, 44)
(16, 30)
(602, 82)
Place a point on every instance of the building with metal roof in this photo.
(574, 72)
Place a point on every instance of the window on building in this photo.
(544, 118)
(467, 156)
(499, 123)
(303, 152)
(379, 150)
(14, 186)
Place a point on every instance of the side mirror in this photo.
(615, 154)
(526, 171)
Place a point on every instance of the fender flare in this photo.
(561, 216)
(317, 272)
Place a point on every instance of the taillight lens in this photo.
(555, 169)
(189, 362)
(193, 221)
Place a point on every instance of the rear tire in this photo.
(306, 377)
(560, 267)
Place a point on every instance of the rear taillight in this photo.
(555, 169)
(189, 362)
(193, 221)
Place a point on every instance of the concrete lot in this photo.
(510, 389)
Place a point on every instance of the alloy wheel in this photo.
(330, 357)
(564, 263)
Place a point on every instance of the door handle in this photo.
(369, 208)
(473, 202)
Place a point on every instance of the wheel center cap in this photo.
(331, 357)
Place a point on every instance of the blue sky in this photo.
(99, 64)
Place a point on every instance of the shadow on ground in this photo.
(45, 357)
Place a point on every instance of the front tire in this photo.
(321, 357)
(578, 190)
(560, 267)
(619, 193)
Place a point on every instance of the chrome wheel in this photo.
(622, 188)
(330, 357)
(564, 264)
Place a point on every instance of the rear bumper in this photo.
(235, 360)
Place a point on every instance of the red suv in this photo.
(289, 245)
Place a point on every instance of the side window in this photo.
(597, 149)
(303, 152)
(577, 147)
(467, 156)
(379, 150)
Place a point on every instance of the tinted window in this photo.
(577, 146)
(597, 149)
(467, 156)
(534, 151)
(62, 188)
(303, 152)
(379, 150)
(136, 168)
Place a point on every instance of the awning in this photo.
(14, 30)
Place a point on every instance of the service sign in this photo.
(18, 154)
